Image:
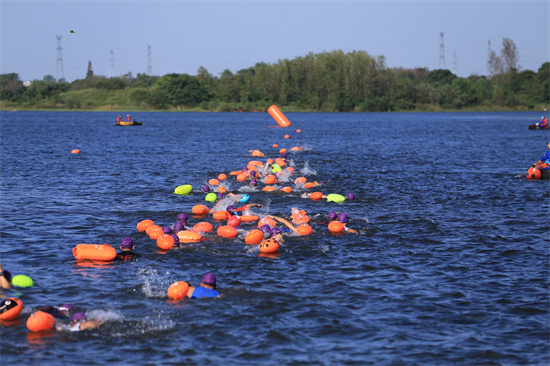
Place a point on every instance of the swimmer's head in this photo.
(206, 188)
(219, 196)
(274, 231)
(167, 230)
(78, 317)
(230, 208)
(253, 174)
(7, 275)
(283, 155)
(127, 243)
(176, 240)
(178, 226)
(209, 279)
(182, 217)
(350, 196)
(332, 215)
(253, 182)
(66, 308)
(343, 217)
(265, 228)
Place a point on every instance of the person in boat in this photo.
(544, 161)
(543, 122)
(128, 118)
(126, 253)
(206, 289)
(119, 118)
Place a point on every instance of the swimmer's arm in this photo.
(284, 221)
(90, 324)
(190, 291)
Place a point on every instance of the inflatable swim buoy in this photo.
(22, 281)
(257, 153)
(222, 177)
(282, 151)
(244, 199)
(275, 145)
(156, 232)
(222, 189)
(278, 116)
(185, 189)
(152, 228)
(336, 227)
(221, 215)
(268, 189)
(165, 242)
(300, 220)
(269, 246)
(304, 229)
(300, 180)
(203, 227)
(242, 177)
(213, 182)
(248, 218)
(227, 231)
(75, 151)
(333, 197)
(200, 210)
(533, 173)
(270, 179)
(234, 221)
(290, 169)
(178, 290)
(40, 321)
(211, 197)
(94, 252)
(144, 224)
(188, 236)
(308, 185)
(267, 221)
(236, 172)
(254, 237)
(10, 308)
(316, 196)
(286, 189)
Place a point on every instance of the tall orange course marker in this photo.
(278, 116)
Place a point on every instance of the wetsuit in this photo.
(204, 292)
(126, 255)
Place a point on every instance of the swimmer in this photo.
(127, 247)
(168, 231)
(279, 236)
(79, 322)
(60, 312)
(245, 210)
(206, 289)
(343, 218)
(5, 278)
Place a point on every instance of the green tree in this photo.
(11, 87)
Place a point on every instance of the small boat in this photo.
(537, 127)
(536, 173)
(132, 123)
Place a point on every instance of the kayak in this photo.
(537, 127)
(135, 123)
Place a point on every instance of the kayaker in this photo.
(543, 122)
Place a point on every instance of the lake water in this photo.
(450, 265)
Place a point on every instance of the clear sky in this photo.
(217, 35)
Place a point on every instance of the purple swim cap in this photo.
(274, 231)
(127, 243)
(350, 196)
(343, 217)
(265, 228)
(66, 307)
(176, 240)
(78, 317)
(167, 230)
(283, 155)
(182, 217)
(253, 174)
(7, 275)
(332, 215)
(219, 196)
(253, 182)
(209, 278)
(206, 188)
(178, 226)
(230, 208)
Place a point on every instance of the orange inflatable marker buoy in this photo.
(75, 151)
(222, 177)
(257, 153)
(269, 246)
(156, 233)
(267, 221)
(533, 173)
(290, 169)
(200, 210)
(221, 215)
(10, 308)
(227, 231)
(40, 321)
(248, 218)
(295, 148)
(178, 290)
(304, 229)
(278, 116)
(165, 242)
(300, 220)
(253, 237)
(275, 145)
(316, 196)
(336, 227)
(270, 179)
(202, 227)
(151, 228)
(234, 221)
(213, 182)
(144, 224)
(286, 189)
(187, 236)
(298, 130)
(94, 252)
(268, 189)
(300, 180)
(287, 136)
(282, 151)
(308, 185)
(242, 177)
(236, 172)
(222, 189)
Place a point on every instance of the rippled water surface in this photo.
(450, 265)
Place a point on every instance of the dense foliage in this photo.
(329, 81)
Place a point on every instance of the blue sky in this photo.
(185, 35)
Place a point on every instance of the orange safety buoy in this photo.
(255, 163)
(94, 252)
(300, 220)
(203, 227)
(236, 172)
(199, 209)
(290, 169)
(300, 180)
(227, 231)
(269, 246)
(188, 236)
(75, 151)
(144, 224)
(275, 145)
(152, 228)
(278, 116)
(308, 185)
(248, 218)
(213, 182)
(267, 221)
(10, 308)
(270, 179)
(282, 151)
(257, 153)
(286, 189)
(234, 221)
(165, 242)
(221, 215)
(40, 321)
(316, 196)
(268, 189)
(287, 136)
(242, 177)
(222, 189)
(336, 227)
(178, 290)
(280, 162)
(304, 229)
(254, 237)
(533, 173)
(222, 177)
(156, 232)
(298, 130)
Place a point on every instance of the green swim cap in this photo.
(211, 197)
(333, 197)
(275, 168)
(22, 281)
(185, 189)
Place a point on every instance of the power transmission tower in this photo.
(112, 69)
(488, 56)
(59, 69)
(149, 67)
(441, 51)
(454, 63)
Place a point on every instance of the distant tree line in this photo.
(328, 81)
